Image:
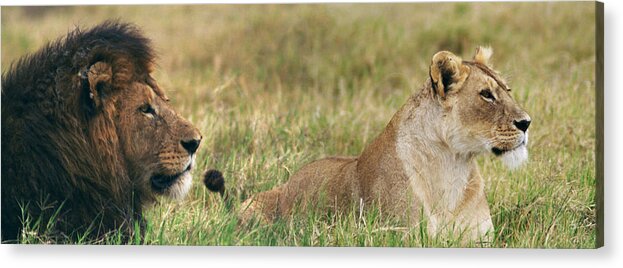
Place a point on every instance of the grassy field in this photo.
(273, 87)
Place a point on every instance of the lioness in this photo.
(424, 160)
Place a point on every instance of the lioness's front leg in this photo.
(473, 213)
(480, 225)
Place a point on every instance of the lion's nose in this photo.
(191, 145)
(522, 125)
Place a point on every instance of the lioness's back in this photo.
(331, 178)
(322, 183)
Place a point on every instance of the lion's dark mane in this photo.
(58, 154)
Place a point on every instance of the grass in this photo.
(273, 87)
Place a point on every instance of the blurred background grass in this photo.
(272, 87)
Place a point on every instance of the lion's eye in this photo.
(487, 95)
(147, 109)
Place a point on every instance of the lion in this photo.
(89, 139)
(422, 166)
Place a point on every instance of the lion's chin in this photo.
(514, 158)
(180, 188)
(173, 186)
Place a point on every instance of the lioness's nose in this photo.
(192, 144)
(522, 125)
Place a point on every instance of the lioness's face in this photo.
(479, 109)
(487, 112)
(159, 145)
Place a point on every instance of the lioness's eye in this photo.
(486, 93)
(147, 109)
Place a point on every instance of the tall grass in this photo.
(272, 87)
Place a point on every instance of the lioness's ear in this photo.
(96, 81)
(447, 72)
(483, 54)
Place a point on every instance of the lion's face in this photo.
(159, 145)
(484, 115)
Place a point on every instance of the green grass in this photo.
(272, 87)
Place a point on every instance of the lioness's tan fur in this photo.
(424, 159)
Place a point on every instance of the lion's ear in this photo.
(447, 72)
(483, 55)
(152, 83)
(97, 81)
